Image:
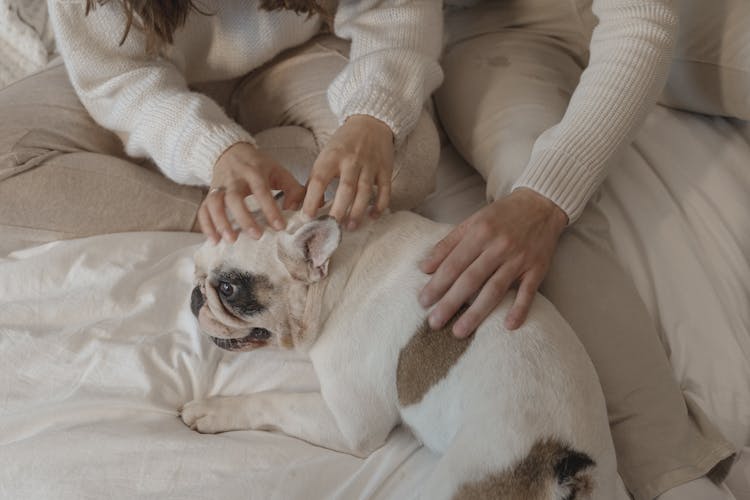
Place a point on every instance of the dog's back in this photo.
(516, 415)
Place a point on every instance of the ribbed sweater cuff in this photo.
(560, 177)
(380, 103)
(211, 146)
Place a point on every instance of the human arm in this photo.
(630, 53)
(377, 98)
(140, 96)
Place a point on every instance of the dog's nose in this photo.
(196, 300)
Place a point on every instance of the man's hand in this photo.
(240, 171)
(508, 242)
(360, 154)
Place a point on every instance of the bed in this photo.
(99, 350)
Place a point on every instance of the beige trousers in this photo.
(510, 70)
(64, 176)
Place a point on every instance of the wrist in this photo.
(553, 212)
(376, 125)
(241, 148)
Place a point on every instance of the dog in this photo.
(514, 415)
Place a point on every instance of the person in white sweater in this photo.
(539, 101)
(139, 69)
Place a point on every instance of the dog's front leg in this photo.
(302, 415)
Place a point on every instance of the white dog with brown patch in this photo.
(514, 415)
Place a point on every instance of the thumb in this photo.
(294, 192)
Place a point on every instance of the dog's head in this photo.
(252, 293)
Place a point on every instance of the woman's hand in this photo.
(240, 171)
(360, 154)
(510, 241)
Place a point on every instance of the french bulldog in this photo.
(513, 415)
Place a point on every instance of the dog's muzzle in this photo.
(256, 336)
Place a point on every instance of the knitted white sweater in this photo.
(145, 100)
(630, 51)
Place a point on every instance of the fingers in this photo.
(235, 202)
(468, 283)
(489, 297)
(214, 204)
(454, 258)
(384, 192)
(207, 226)
(316, 188)
(444, 247)
(361, 200)
(524, 298)
(264, 198)
(294, 192)
(345, 193)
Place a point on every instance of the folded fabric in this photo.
(710, 72)
(26, 39)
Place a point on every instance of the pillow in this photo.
(710, 72)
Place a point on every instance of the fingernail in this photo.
(424, 300)
(435, 321)
(352, 225)
(511, 322)
(254, 233)
(278, 225)
(460, 329)
(227, 235)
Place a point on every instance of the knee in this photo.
(416, 165)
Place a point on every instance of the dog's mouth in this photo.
(258, 337)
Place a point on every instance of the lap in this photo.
(502, 89)
(292, 90)
(48, 138)
(62, 175)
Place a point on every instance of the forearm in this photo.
(630, 54)
(143, 99)
(393, 65)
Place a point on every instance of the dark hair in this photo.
(159, 19)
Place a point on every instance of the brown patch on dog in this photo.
(549, 464)
(426, 360)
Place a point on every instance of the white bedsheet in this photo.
(98, 348)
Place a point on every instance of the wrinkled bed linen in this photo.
(99, 350)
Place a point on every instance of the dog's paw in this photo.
(214, 415)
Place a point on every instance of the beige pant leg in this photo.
(63, 176)
(501, 91)
(291, 91)
(662, 440)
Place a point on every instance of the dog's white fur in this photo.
(355, 314)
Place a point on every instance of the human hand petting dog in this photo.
(360, 154)
(240, 171)
(511, 241)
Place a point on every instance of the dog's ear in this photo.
(307, 251)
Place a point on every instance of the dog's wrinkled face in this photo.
(252, 293)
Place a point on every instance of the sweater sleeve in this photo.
(629, 57)
(393, 68)
(144, 99)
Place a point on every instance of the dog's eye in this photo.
(226, 289)
(260, 334)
